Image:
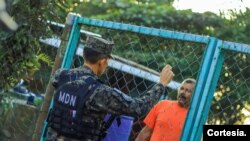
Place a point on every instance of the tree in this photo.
(19, 51)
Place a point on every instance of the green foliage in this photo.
(45, 58)
(236, 28)
(164, 15)
(19, 51)
(6, 102)
(16, 120)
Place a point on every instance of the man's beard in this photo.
(182, 100)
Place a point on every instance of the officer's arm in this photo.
(145, 134)
(116, 102)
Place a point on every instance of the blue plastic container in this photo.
(122, 132)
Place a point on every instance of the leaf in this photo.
(45, 58)
(15, 2)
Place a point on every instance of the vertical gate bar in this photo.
(208, 92)
(67, 60)
(211, 93)
(200, 84)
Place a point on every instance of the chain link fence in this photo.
(138, 59)
(230, 104)
(134, 69)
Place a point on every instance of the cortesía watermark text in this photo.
(241, 132)
(211, 132)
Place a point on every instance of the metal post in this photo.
(50, 89)
(214, 72)
(208, 93)
(198, 92)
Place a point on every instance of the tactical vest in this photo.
(67, 113)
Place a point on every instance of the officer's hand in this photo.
(166, 75)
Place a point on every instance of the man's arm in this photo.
(145, 134)
(115, 102)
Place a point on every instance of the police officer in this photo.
(81, 100)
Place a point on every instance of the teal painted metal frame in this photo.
(145, 30)
(209, 71)
(72, 45)
(205, 96)
(194, 124)
(67, 61)
(244, 48)
(198, 93)
(213, 77)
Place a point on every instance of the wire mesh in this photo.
(134, 57)
(148, 54)
(230, 104)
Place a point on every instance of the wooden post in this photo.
(50, 89)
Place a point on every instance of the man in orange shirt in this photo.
(165, 121)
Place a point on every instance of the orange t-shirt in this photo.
(167, 120)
